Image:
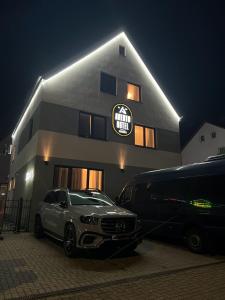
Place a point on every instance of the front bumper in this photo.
(93, 240)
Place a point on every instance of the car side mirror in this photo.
(63, 204)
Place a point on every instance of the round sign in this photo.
(122, 119)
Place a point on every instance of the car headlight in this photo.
(89, 220)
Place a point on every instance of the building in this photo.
(4, 164)
(207, 141)
(93, 124)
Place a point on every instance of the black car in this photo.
(187, 201)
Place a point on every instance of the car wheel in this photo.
(70, 241)
(38, 228)
(196, 240)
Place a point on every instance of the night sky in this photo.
(182, 42)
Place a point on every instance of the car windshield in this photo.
(90, 198)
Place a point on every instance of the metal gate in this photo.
(14, 215)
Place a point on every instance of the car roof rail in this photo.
(215, 157)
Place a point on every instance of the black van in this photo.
(186, 201)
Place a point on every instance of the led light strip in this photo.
(27, 110)
(149, 75)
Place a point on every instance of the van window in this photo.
(142, 191)
(126, 195)
(210, 188)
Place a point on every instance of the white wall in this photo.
(197, 151)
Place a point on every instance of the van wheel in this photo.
(69, 243)
(196, 240)
(38, 228)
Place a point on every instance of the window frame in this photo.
(140, 92)
(70, 168)
(144, 138)
(116, 89)
(92, 118)
(120, 53)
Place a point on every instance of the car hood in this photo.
(96, 210)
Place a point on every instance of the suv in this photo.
(85, 219)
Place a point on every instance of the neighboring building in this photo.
(94, 124)
(207, 141)
(4, 164)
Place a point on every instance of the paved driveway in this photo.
(38, 268)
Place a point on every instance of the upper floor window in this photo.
(92, 126)
(122, 50)
(213, 135)
(202, 138)
(108, 84)
(144, 136)
(133, 92)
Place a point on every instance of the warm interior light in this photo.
(133, 92)
(79, 179)
(150, 137)
(139, 135)
(95, 179)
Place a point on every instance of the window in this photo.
(144, 136)
(61, 177)
(61, 196)
(202, 138)
(78, 178)
(85, 125)
(213, 135)
(139, 135)
(92, 126)
(133, 92)
(50, 197)
(221, 150)
(108, 84)
(122, 50)
(95, 179)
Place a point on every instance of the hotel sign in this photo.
(122, 119)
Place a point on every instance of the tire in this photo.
(196, 240)
(38, 228)
(69, 243)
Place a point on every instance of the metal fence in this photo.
(15, 216)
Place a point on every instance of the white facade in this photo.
(209, 140)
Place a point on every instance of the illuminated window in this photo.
(95, 179)
(61, 177)
(149, 137)
(133, 92)
(139, 135)
(79, 179)
(108, 84)
(92, 126)
(144, 136)
(122, 50)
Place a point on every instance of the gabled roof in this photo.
(198, 128)
(73, 65)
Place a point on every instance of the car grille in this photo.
(118, 225)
